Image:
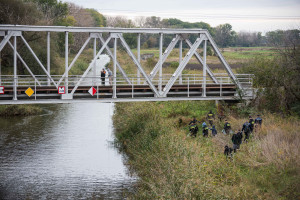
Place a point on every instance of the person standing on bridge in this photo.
(109, 72)
(103, 73)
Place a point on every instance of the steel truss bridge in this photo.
(141, 86)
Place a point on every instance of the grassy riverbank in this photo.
(19, 110)
(173, 166)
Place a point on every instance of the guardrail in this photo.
(191, 79)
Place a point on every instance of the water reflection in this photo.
(65, 153)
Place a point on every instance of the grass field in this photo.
(236, 57)
(172, 165)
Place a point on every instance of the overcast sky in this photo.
(247, 15)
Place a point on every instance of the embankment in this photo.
(19, 110)
(172, 165)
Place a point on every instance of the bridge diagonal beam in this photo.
(223, 61)
(182, 65)
(117, 63)
(165, 56)
(5, 40)
(138, 64)
(24, 63)
(210, 73)
(37, 59)
(74, 60)
(91, 65)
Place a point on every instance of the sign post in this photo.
(61, 89)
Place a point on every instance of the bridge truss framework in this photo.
(160, 90)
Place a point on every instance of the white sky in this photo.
(247, 15)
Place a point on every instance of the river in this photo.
(65, 153)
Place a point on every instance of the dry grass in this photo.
(172, 165)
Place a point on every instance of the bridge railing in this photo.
(192, 79)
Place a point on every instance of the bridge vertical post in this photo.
(115, 69)
(138, 57)
(66, 61)
(48, 57)
(180, 59)
(15, 68)
(95, 64)
(188, 85)
(204, 69)
(0, 67)
(160, 63)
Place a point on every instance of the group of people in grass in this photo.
(237, 138)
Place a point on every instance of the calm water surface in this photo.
(66, 153)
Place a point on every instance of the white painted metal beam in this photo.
(165, 56)
(5, 40)
(198, 57)
(99, 30)
(74, 60)
(112, 56)
(138, 57)
(91, 65)
(182, 65)
(39, 62)
(48, 56)
(66, 62)
(149, 82)
(15, 69)
(24, 63)
(204, 69)
(107, 100)
(223, 61)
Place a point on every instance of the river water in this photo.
(65, 153)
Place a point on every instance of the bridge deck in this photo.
(123, 91)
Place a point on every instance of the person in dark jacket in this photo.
(227, 127)
(228, 151)
(258, 120)
(251, 121)
(210, 117)
(193, 130)
(194, 121)
(103, 73)
(213, 131)
(236, 141)
(193, 127)
(246, 129)
(240, 135)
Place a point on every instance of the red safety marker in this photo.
(92, 91)
(1, 89)
(61, 90)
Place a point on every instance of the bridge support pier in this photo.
(67, 96)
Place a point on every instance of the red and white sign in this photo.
(92, 91)
(1, 89)
(61, 90)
